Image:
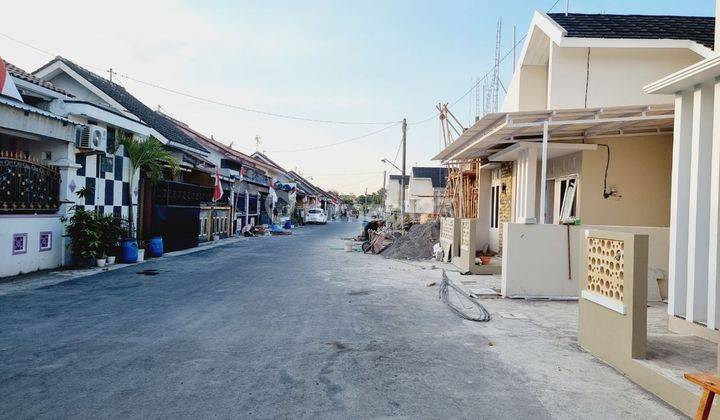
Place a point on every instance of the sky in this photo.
(369, 61)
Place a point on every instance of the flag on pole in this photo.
(7, 86)
(218, 191)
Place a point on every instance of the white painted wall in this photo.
(67, 83)
(392, 200)
(421, 195)
(33, 259)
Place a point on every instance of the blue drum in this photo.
(155, 247)
(129, 250)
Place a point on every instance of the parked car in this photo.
(316, 216)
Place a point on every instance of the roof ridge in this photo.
(159, 122)
(31, 78)
(630, 14)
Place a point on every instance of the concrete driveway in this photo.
(288, 327)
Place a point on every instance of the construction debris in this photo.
(417, 243)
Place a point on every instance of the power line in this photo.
(207, 100)
(358, 182)
(553, 6)
(324, 146)
(253, 110)
(345, 173)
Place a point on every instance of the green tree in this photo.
(150, 156)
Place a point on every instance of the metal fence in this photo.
(27, 185)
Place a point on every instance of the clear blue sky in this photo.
(340, 60)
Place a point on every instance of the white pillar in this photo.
(516, 190)
(680, 185)
(713, 302)
(699, 202)
(531, 182)
(543, 173)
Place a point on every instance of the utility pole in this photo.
(402, 179)
(384, 194)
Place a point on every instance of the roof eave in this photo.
(686, 78)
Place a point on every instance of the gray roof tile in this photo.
(152, 118)
(694, 28)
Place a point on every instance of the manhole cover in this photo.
(149, 272)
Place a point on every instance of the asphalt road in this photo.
(286, 327)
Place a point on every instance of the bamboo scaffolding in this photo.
(461, 189)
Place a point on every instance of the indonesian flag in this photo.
(218, 191)
(7, 86)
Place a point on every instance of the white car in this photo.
(316, 216)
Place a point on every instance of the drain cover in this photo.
(149, 272)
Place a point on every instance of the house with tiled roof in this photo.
(170, 208)
(37, 172)
(426, 188)
(244, 179)
(577, 140)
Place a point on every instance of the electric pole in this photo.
(402, 179)
(384, 194)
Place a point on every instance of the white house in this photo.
(425, 190)
(694, 296)
(392, 192)
(110, 108)
(37, 166)
(578, 140)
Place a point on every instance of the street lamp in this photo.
(390, 163)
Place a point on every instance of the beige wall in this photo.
(529, 91)
(640, 169)
(616, 77)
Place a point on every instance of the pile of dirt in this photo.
(417, 243)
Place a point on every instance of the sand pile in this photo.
(417, 243)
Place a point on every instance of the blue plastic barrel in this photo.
(156, 246)
(129, 249)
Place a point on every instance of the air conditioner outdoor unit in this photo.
(91, 137)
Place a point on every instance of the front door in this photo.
(495, 191)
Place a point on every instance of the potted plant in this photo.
(150, 156)
(486, 256)
(82, 228)
(112, 229)
(101, 260)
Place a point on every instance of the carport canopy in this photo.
(498, 131)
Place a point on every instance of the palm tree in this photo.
(148, 154)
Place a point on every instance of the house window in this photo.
(566, 203)
(495, 207)
(111, 142)
(19, 243)
(45, 241)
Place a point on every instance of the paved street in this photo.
(290, 327)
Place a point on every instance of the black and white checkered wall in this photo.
(108, 177)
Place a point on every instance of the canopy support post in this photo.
(543, 173)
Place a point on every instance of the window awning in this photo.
(495, 132)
